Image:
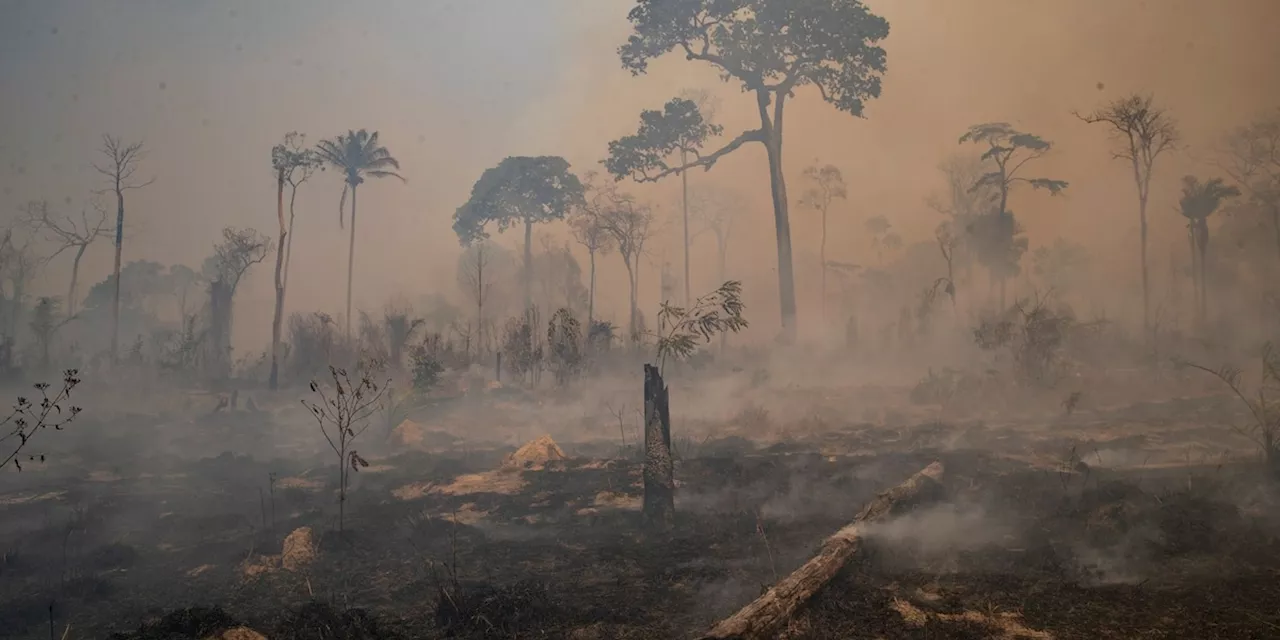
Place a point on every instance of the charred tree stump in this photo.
(762, 618)
(659, 478)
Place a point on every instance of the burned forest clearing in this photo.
(1139, 520)
(639, 320)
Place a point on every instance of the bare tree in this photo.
(343, 414)
(69, 234)
(716, 210)
(475, 278)
(120, 168)
(1253, 161)
(587, 223)
(293, 164)
(630, 224)
(1142, 132)
(826, 184)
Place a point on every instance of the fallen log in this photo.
(766, 614)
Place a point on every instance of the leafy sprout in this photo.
(681, 330)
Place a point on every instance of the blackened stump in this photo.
(659, 480)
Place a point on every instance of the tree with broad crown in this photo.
(520, 190)
(1142, 131)
(679, 130)
(1009, 149)
(773, 48)
(356, 154)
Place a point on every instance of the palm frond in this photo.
(387, 174)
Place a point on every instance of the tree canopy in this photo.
(357, 154)
(679, 128)
(772, 45)
(519, 190)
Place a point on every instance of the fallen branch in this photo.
(761, 618)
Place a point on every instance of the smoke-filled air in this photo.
(639, 319)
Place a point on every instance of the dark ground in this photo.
(1045, 535)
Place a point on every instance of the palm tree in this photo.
(356, 154)
(1199, 201)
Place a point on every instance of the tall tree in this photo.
(519, 190)
(1199, 201)
(120, 167)
(665, 138)
(69, 234)
(773, 48)
(588, 229)
(630, 224)
(356, 154)
(826, 185)
(1142, 132)
(293, 163)
(1253, 162)
(1009, 150)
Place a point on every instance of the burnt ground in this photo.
(1136, 522)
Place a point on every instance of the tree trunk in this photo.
(722, 244)
(1146, 279)
(351, 259)
(659, 479)
(1204, 272)
(781, 220)
(277, 318)
(767, 614)
(293, 195)
(75, 277)
(822, 259)
(1195, 271)
(591, 292)
(631, 317)
(115, 300)
(684, 205)
(528, 264)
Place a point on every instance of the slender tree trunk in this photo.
(115, 299)
(75, 276)
(781, 220)
(591, 293)
(722, 245)
(631, 280)
(822, 259)
(684, 205)
(293, 196)
(528, 264)
(351, 259)
(273, 381)
(659, 482)
(1203, 246)
(1146, 278)
(1195, 270)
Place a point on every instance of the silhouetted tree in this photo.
(356, 154)
(1253, 161)
(1142, 131)
(773, 48)
(520, 190)
(293, 164)
(589, 231)
(665, 138)
(630, 224)
(1009, 150)
(69, 234)
(120, 167)
(826, 185)
(239, 250)
(1199, 201)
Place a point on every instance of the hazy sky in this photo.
(455, 86)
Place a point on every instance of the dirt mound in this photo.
(536, 454)
(238, 633)
(299, 549)
(408, 434)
